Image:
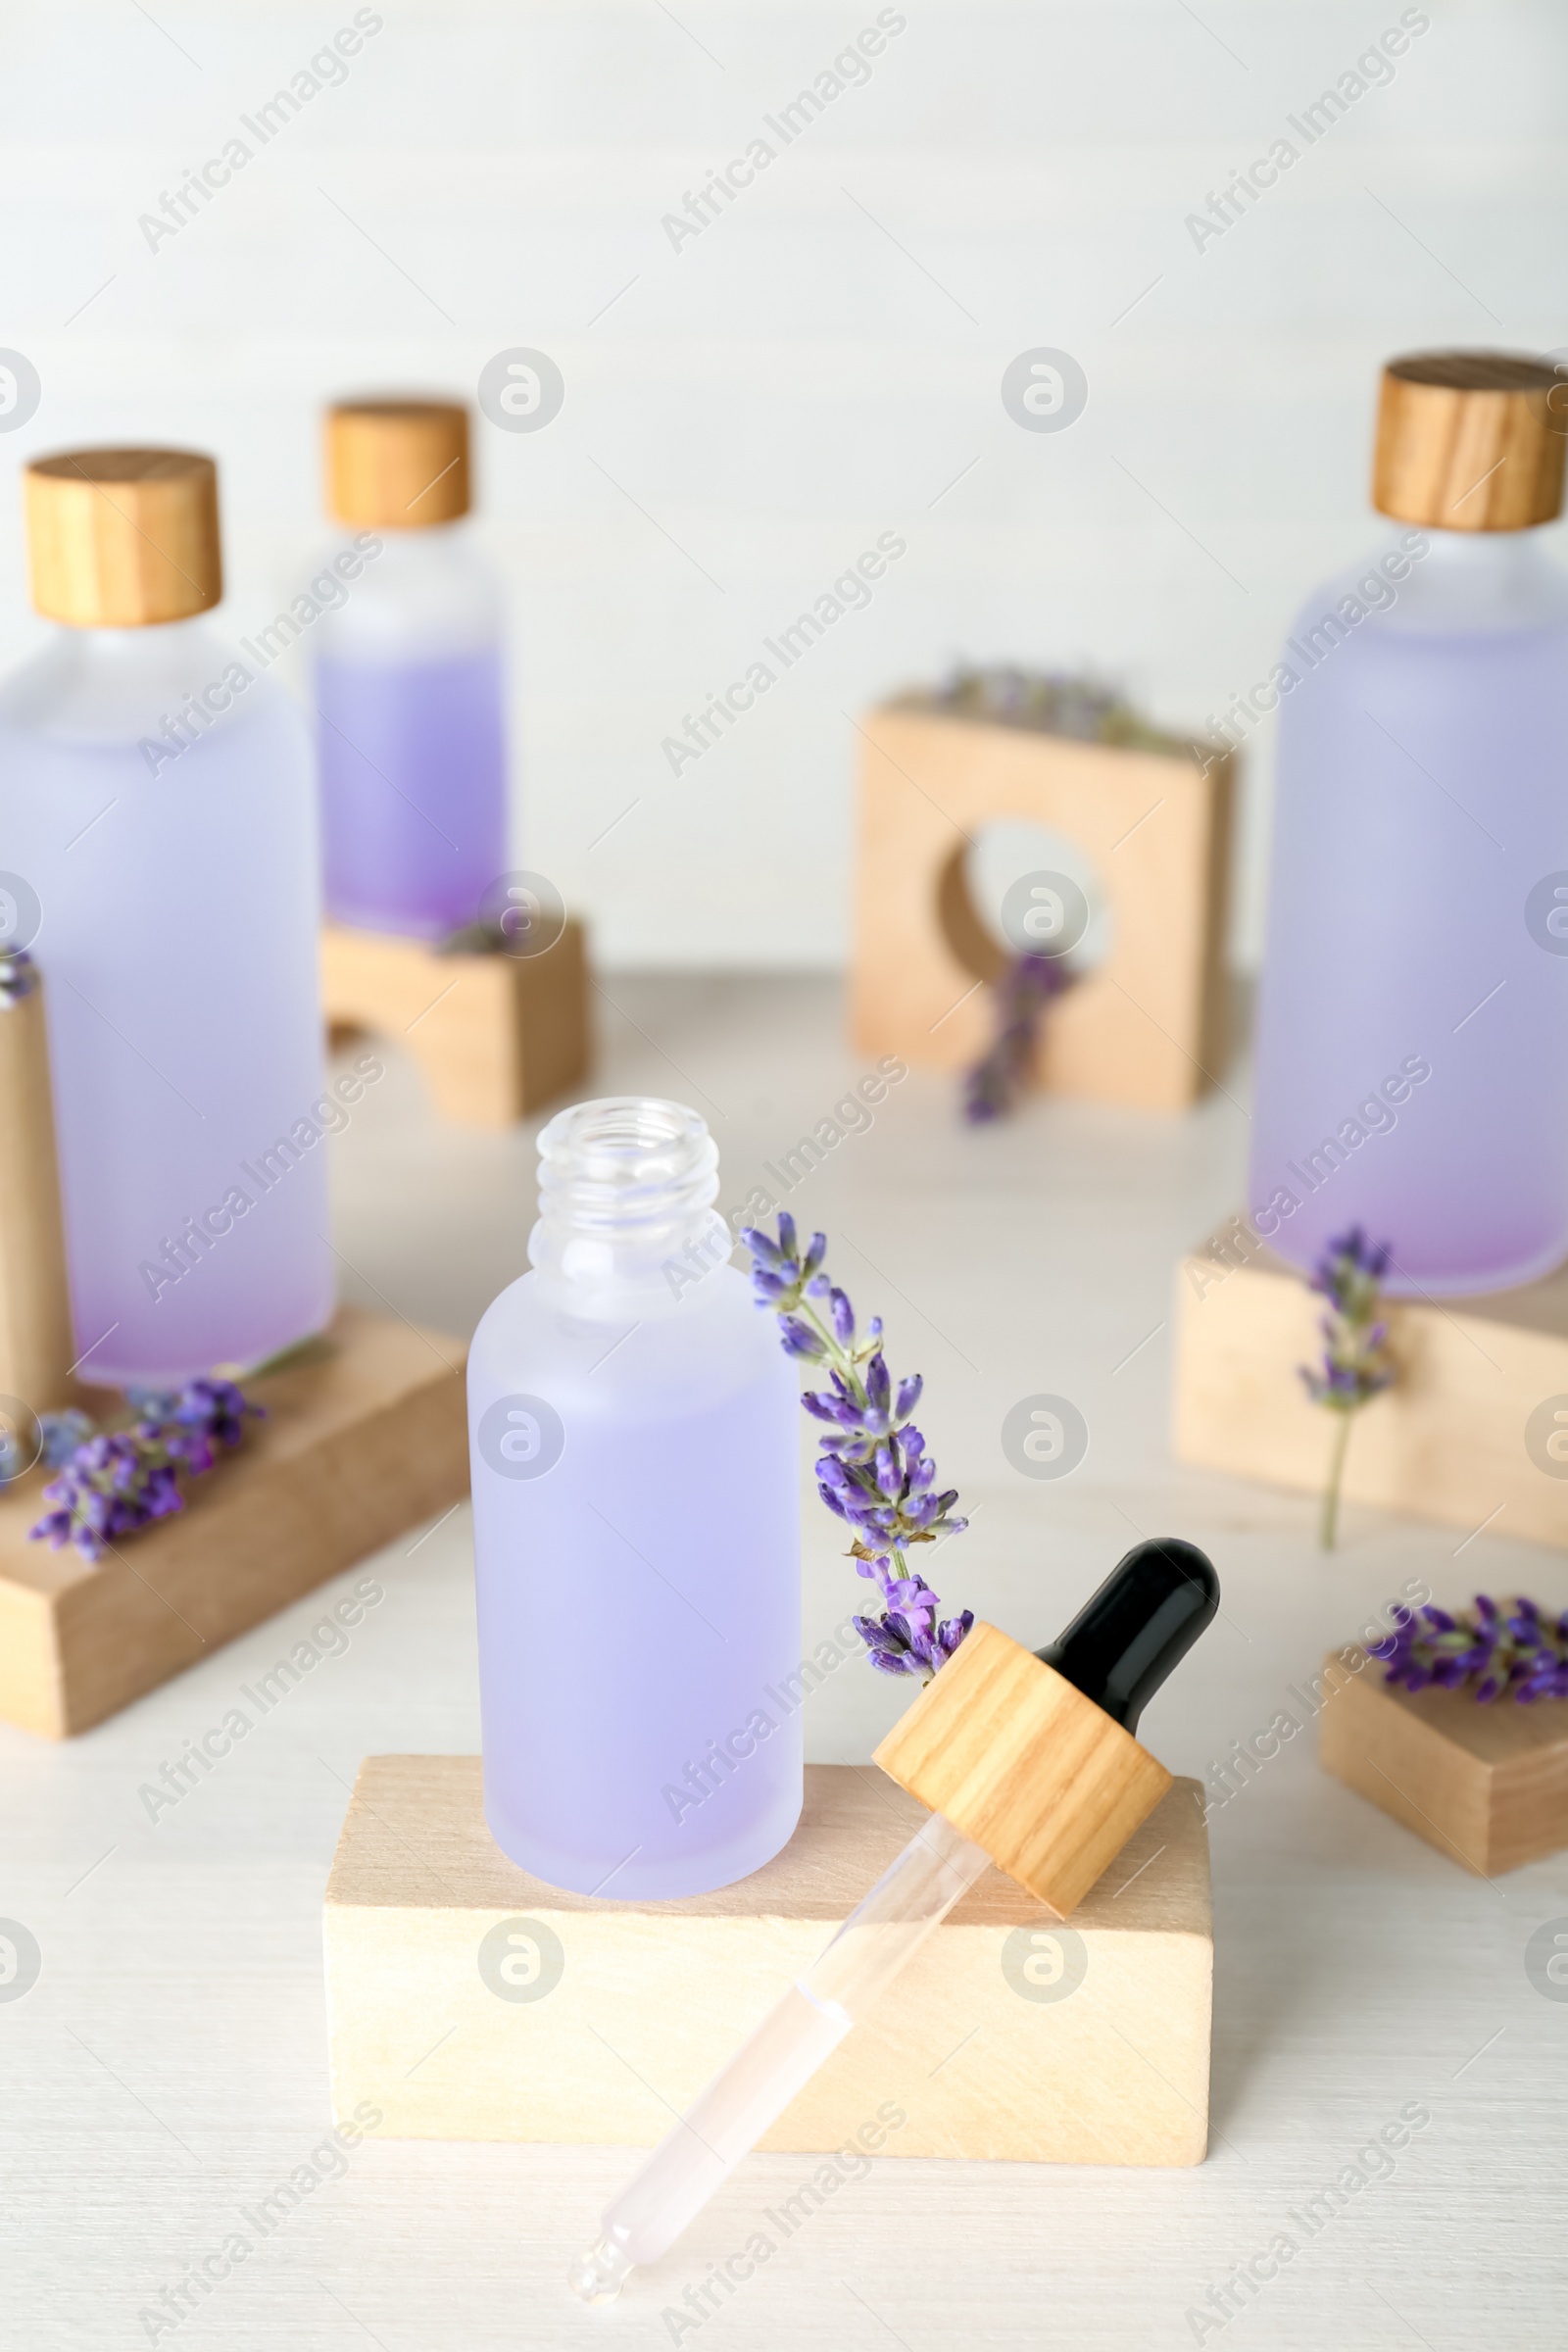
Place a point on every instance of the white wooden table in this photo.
(166, 2070)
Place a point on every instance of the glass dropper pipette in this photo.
(1055, 1794)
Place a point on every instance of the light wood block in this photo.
(652, 1998)
(1446, 1443)
(1148, 1027)
(37, 1347)
(356, 1447)
(495, 1035)
(1009, 1752)
(1486, 1786)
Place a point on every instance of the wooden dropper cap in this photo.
(122, 538)
(1032, 1754)
(397, 464)
(1471, 440)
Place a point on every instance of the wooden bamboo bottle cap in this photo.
(1021, 1762)
(122, 538)
(398, 464)
(1032, 1754)
(1471, 440)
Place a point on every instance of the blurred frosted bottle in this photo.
(633, 1427)
(408, 680)
(158, 828)
(1412, 1042)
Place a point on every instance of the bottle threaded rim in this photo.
(629, 1168)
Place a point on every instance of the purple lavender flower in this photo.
(19, 976)
(992, 1086)
(1482, 1649)
(1355, 1366)
(113, 1485)
(872, 1468)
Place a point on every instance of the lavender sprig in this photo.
(1355, 1361)
(1483, 1650)
(113, 1484)
(1024, 989)
(872, 1466)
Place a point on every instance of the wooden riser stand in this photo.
(356, 1447)
(1009, 2036)
(1488, 1786)
(1450, 1440)
(495, 1035)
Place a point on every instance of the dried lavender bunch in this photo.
(1485, 1649)
(992, 1085)
(872, 1466)
(60, 1434)
(1355, 1362)
(1052, 702)
(112, 1483)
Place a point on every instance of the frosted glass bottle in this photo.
(408, 681)
(634, 1436)
(1412, 1036)
(158, 832)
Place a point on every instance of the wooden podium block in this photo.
(1148, 1026)
(1488, 1786)
(471, 2001)
(495, 1035)
(357, 1445)
(1462, 1437)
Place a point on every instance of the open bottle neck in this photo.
(626, 1193)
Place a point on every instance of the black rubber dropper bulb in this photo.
(1141, 1622)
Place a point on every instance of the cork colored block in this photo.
(1467, 1435)
(1148, 1026)
(357, 1445)
(1488, 1786)
(468, 2000)
(495, 1035)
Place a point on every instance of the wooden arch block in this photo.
(494, 1036)
(1146, 1027)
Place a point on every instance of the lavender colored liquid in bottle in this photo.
(413, 762)
(168, 883)
(635, 1448)
(1412, 1039)
(410, 732)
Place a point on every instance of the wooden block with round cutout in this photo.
(1148, 1025)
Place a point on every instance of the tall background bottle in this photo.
(1412, 1039)
(634, 1433)
(158, 828)
(409, 681)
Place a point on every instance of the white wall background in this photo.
(745, 415)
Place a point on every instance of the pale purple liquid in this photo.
(1423, 792)
(177, 944)
(413, 763)
(639, 1603)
